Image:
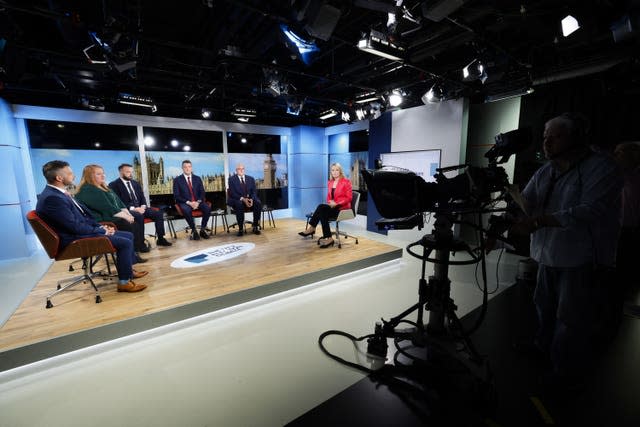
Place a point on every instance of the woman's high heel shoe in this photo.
(309, 232)
(326, 244)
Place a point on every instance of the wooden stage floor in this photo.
(280, 261)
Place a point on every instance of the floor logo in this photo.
(212, 255)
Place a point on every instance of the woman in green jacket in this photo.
(105, 205)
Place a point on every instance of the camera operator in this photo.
(573, 207)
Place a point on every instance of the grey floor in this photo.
(256, 364)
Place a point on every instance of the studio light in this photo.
(305, 49)
(365, 97)
(294, 106)
(92, 103)
(328, 114)
(206, 113)
(569, 25)
(346, 117)
(475, 71)
(149, 141)
(361, 114)
(395, 98)
(174, 143)
(243, 119)
(244, 112)
(509, 94)
(434, 95)
(138, 101)
(274, 84)
(377, 43)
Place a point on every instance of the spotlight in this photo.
(395, 98)
(186, 148)
(294, 106)
(569, 25)
(474, 71)
(303, 48)
(434, 95)
(149, 141)
(243, 140)
(174, 143)
(328, 114)
(206, 113)
(92, 104)
(377, 43)
(375, 110)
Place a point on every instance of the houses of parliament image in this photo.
(160, 183)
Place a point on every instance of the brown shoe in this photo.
(131, 287)
(139, 274)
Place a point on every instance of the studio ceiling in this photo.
(226, 55)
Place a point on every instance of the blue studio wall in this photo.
(17, 196)
(308, 169)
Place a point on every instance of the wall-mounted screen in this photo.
(424, 162)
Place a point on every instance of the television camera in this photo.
(403, 199)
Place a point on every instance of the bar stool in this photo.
(269, 213)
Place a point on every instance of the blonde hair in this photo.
(88, 178)
(339, 167)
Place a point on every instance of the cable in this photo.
(339, 359)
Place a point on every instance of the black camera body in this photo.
(402, 197)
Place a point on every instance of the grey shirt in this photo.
(585, 200)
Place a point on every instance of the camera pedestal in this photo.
(435, 352)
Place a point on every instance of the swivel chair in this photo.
(89, 249)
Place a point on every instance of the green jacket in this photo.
(103, 204)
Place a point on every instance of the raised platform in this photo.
(280, 261)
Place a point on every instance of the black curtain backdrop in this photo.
(609, 100)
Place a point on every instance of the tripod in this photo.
(433, 296)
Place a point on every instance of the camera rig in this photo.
(403, 199)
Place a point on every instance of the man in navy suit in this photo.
(243, 194)
(188, 191)
(72, 220)
(130, 192)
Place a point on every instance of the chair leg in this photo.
(86, 277)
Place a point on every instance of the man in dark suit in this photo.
(72, 220)
(188, 191)
(130, 192)
(243, 194)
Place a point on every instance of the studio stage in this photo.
(280, 261)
